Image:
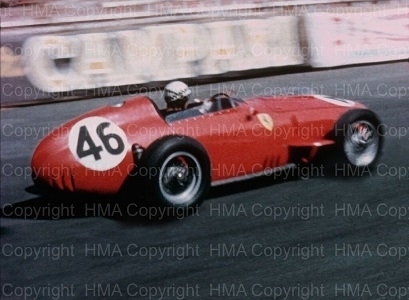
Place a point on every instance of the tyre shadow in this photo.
(61, 206)
(125, 207)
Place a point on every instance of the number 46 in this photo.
(84, 138)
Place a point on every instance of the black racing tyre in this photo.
(359, 138)
(176, 172)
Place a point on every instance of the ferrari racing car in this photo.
(174, 157)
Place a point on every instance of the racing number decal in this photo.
(266, 121)
(85, 139)
(97, 143)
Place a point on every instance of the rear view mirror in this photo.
(251, 112)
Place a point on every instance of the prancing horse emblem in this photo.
(266, 121)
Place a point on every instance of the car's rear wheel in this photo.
(359, 138)
(178, 172)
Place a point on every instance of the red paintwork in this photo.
(236, 141)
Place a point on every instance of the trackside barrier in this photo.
(10, 63)
(156, 53)
(77, 65)
(356, 38)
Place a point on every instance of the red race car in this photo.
(175, 157)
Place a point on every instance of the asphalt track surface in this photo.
(333, 235)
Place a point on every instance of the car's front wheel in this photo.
(359, 138)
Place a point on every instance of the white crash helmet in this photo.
(176, 90)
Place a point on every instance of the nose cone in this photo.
(51, 166)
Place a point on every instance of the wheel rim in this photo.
(361, 143)
(180, 178)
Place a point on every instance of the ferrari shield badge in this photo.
(266, 121)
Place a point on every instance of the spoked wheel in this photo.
(179, 172)
(360, 137)
(180, 176)
(361, 145)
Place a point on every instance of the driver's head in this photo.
(176, 94)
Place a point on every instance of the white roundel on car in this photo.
(335, 101)
(98, 143)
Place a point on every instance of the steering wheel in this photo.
(215, 96)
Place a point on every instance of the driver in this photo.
(176, 94)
